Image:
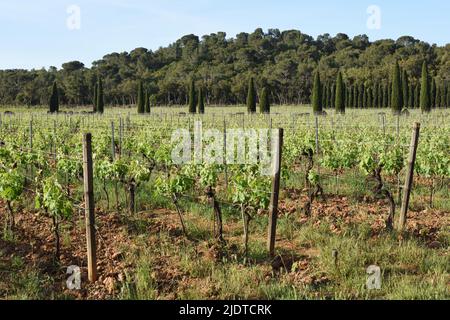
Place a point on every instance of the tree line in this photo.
(282, 64)
(399, 93)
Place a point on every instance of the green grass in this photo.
(409, 270)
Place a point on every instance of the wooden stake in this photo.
(273, 213)
(409, 176)
(89, 207)
(317, 135)
(113, 143)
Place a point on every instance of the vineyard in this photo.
(165, 230)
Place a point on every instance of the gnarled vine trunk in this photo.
(218, 228)
(382, 191)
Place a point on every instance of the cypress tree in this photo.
(54, 99)
(386, 97)
(339, 95)
(369, 98)
(405, 89)
(444, 98)
(192, 98)
(447, 100)
(201, 101)
(417, 96)
(444, 90)
(147, 102)
(100, 97)
(317, 94)
(332, 95)
(264, 104)
(350, 97)
(361, 96)
(95, 97)
(389, 94)
(375, 96)
(411, 96)
(425, 101)
(380, 95)
(396, 96)
(438, 96)
(365, 95)
(141, 98)
(251, 97)
(347, 88)
(433, 93)
(324, 96)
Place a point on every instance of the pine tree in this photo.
(425, 101)
(147, 102)
(141, 98)
(264, 104)
(339, 95)
(251, 97)
(396, 95)
(405, 88)
(95, 97)
(192, 98)
(201, 101)
(317, 95)
(433, 93)
(100, 97)
(54, 99)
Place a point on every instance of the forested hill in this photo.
(282, 61)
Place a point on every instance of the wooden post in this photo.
(89, 207)
(225, 152)
(54, 140)
(273, 209)
(317, 135)
(409, 176)
(31, 135)
(120, 135)
(113, 143)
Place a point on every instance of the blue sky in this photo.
(33, 33)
